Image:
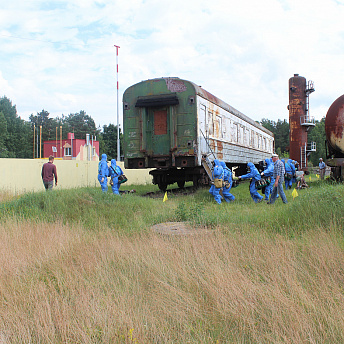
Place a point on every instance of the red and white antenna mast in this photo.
(118, 141)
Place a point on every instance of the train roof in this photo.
(207, 95)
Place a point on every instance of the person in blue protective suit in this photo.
(228, 182)
(218, 174)
(114, 172)
(295, 169)
(103, 172)
(255, 176)
(268, 172)
(290, 172)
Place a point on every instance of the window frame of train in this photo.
(204, 137)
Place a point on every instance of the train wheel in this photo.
(162, 186)
(195, 181)
(181, 184)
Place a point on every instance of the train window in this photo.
(235, 132)
(247, 137)
(240, 134)
(218, 126)
(202, 120)
(160, 122)
(228, 129)
(211, 124)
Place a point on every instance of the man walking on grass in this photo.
(278, 174)
(322, 168)
(48, 174)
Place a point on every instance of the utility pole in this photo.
(118, 141)
(40, 142)
(34, 128)
(60, 141)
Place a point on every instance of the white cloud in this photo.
(242, 52)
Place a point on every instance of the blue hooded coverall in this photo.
(268, 172)
(227, 177)
(254, 174)
(217, 173)
(289, 168)
(294, 177)
(114, 172)
(103, 171)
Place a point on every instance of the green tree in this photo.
(280, 129)
(268, 124)
(317, 134)
(3, 136)
(282, 135)
(109, 138)
(80, 124)
(17, 140)
(48, 124)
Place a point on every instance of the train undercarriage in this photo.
(165, 177)
(199, 175)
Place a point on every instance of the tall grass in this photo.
(62, 284)
(320, 205)
(78, 266)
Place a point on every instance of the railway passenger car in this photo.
(172, 125)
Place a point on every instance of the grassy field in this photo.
(79, 266)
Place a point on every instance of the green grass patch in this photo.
(320, 205)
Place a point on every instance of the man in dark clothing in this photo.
(48, 174)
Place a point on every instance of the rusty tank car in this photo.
(176, 128)
(334, 128)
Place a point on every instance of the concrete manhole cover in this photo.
(177, 228)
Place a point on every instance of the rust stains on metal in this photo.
(219, 150)
(297, 109)
(334, 124)
(175, 85)
(212, 144)
(211, 97)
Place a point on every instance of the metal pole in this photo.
(56, 141)
(34, 128)
(118, 141)
(40, 142)
(60, 141)
(37, 142)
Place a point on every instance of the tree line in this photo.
(316, 134)
(17, 135)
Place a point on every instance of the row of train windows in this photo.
(235, 132)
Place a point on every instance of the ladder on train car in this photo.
(207, 167)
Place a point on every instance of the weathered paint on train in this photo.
(173, 123)
(334, 124)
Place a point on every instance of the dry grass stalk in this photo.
(60, 284)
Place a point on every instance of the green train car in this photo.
(173, 126)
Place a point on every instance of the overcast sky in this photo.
(59, 55)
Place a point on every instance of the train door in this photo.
(159, 129)
(203, 130)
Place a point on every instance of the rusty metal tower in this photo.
(299, 119)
